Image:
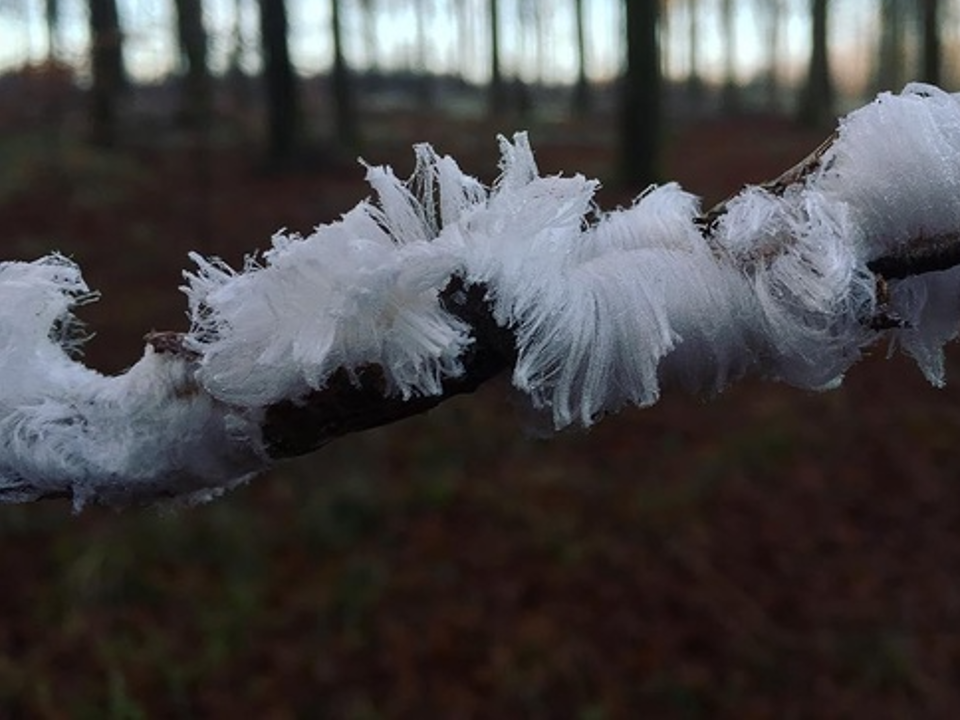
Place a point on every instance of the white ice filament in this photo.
(605, 308)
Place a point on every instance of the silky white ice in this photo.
(68, 430)
(606, 308)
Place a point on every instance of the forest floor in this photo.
(769, 553)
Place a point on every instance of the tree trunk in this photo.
(694, 81)
(346, 121)
(498, 98)
(730, 94)
(106, 63)
(581, 92)
(774, 25)
(369, 34)
(816, 99)
(891, 60)
(283, 97)
(640, 95)
(423, 76)
(931, 63)
(192, 37)
(51, 16)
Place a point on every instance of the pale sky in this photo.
(149, 50)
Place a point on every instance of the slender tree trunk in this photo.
(283, 96)
(424, 78)
(192, 36)
(537, 18)
(730, 94)
(51, 16)
(816, 99)
(891, 61)
(773, 27)
(640, 95)
(694, 81)
(931, 63)
(369, 8)
(109, 78)
(346, 121)
(581, 91)
(498, 98)
(527, 38)
(236, 40)
(466, 30)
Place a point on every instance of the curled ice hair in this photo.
(603, 309)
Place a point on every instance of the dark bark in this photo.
(581, 92)
(817, 97)
(931, 62)
(730, 93)
(694, 81)
(773, 34)
(282, 90)
(349, 404)
(640, 95)
(369, 34)
(891, 60)
(192, 38)
(108, 75)
(497, 90)
(424, 76)
(345, 118)
(51, 17)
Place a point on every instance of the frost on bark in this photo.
(441, 283)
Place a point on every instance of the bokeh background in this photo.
(768, 553)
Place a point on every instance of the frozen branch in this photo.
(442, 284)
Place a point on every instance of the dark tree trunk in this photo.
(192, 37)
(773, 28)
(498, 99)
(816, 99)
(283, 96)
(730, 93)
(931, 62)
(345, 120)
(581, 92)
(424, 78)
(640, 95)
(891, 63)
(106, 63)
(369, 34)
(694, 81)
(51, 17)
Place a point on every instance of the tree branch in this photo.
(355, 402)
(444, 285)
(351, 402)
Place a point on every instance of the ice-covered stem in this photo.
(441, 283)
(66, 431)
(790, 279)
(931, 254)
(344, 406)
(922, 255)
(351, 403)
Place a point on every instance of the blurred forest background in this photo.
(766, 554)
